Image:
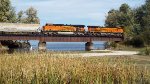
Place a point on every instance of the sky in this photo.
(85, 12)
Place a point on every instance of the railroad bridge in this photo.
(62, 38)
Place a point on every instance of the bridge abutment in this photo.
(88, 46)
(42, 46)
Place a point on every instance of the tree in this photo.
(146, 18)
(7, 12)
(126, 19)
(29, 16)
(124, 8)
(122, 17)
(32, 16)
(136, 22)
(146, 37)
(20, 16)
(112, 18)
(142, 18)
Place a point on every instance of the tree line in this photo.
(8, 14)
(136, 23)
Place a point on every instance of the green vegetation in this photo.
(8, 14)
(31, 14)
(145, 51)
(49, 68)
(135, 22)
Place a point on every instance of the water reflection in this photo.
(67, 46)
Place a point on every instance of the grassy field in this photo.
(64, 68)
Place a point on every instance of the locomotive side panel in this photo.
(97, 30)
(105, 30)
(63, 29)
(120, 30)
(52, 28)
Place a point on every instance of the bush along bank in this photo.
(16, 45)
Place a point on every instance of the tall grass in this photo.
(47, 68)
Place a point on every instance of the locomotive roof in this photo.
(78, 25)
(64, 25)
(94, 26)
(54, 24)
(102, 27)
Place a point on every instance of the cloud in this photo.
(91, 12)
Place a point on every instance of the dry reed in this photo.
(51, 68)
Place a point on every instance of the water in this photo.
(67, 46)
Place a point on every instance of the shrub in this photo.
(145, 51)
(146, 37)
(113, 44)
(137, 42)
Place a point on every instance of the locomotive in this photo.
(58, 29)
(105, 31)
(63, 29)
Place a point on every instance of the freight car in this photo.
(55, 29)
(105, 31)
(19, 28)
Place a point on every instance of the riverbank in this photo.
(3, 49)
(97, 53)
(111, 53)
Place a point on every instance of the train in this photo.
(51, 29)
(59, 29)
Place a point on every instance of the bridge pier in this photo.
(42, 46)
(88, 46)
